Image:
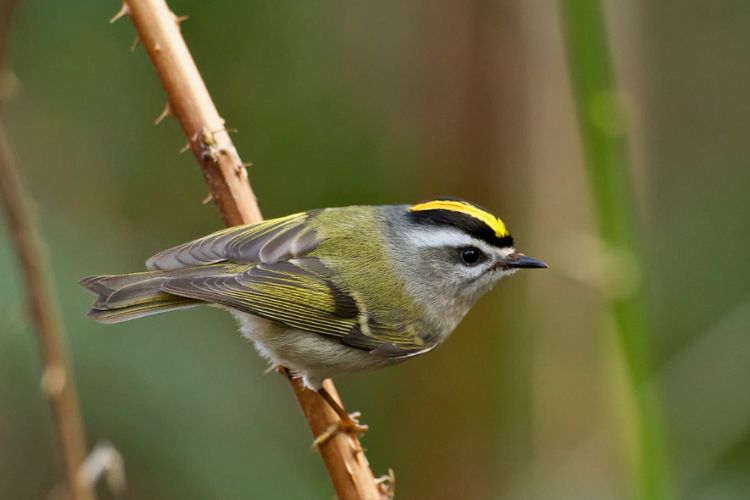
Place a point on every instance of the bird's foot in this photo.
(347, 423)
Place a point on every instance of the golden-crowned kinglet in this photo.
(331, 291)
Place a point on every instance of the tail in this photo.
(129, 296)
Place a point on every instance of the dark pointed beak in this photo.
(519, 260)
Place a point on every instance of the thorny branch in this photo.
(189, 101)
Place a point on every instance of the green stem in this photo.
(604, 141)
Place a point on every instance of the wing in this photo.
(303, 293)
(267, 242)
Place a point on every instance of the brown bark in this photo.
(189, 101)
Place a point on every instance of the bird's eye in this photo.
(470, 256)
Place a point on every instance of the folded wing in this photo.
(302, 293)
(267, 242)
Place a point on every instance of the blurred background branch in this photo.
(57, 378)
(57, 382)
(158, 31)
(603, 134)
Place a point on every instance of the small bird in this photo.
(331, 291)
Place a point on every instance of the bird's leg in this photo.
(347, 422)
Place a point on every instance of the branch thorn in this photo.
(124, 11)
(185, 148)
(165, 113)
(135, 43)
(387, 484)
(242, 169)
(208, 199)
(180, 19)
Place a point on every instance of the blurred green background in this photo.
(388, 102)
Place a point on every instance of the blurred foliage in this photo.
(604, 142)
(339, 103)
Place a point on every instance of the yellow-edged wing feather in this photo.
(301, 294)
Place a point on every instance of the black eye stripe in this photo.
(465, 223)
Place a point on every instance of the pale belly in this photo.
(309, 356)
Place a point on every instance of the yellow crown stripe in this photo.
(465, 208)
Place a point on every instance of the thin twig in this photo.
(159, 32)
(57, 378)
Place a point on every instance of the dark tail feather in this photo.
(130, 296)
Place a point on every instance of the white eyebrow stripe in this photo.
(441, 237)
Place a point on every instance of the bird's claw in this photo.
(349, 425)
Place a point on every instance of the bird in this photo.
(333, 291)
